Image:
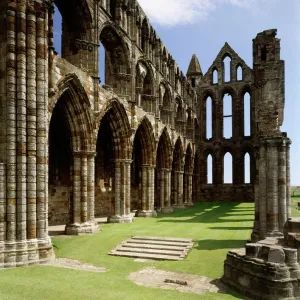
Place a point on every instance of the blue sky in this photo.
(203, 26)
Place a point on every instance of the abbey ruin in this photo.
(72, 149)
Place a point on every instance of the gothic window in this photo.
(239, 73)
(247, 114)
(215, 76)
(227, 168)
(227, 116)
(227, 64)
(209, 169)
(247, 169)
(209, 118)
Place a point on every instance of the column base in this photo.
(26, 253)
(167, 210)
(146, 213)
(189, 204)
(120, 219)
(179, 206)
(263, 270)
(80, 229)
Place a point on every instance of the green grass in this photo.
(215, 228)
(295, 212)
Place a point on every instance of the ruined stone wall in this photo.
(238, 144)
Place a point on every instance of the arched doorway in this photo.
(143, 168)
(163, 174)
(113, 164)
(177, 175)
(188, 177)
(71, 160)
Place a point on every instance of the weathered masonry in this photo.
(72, 149)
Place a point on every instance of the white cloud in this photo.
(176, 12)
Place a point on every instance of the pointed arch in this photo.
(178, 153)
(164, 151)
(120, 126)
(117, 58)
(188, 163)
(145, 135)
(78, 109)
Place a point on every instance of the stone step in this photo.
(152, 246)
(150, 251)
(155, 238)
(145, 255)
(155, 242)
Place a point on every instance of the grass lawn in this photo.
(215, 228)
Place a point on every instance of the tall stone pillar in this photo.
(272, 188)
(188, 190)
(147, 204)
(23, 172)
(178, 192)
(82, 221)
(166, 186)
(122, 192)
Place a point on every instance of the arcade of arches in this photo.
(151, 139)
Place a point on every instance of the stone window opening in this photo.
(102, 64)
(247, 114)
(215, 76)
(227, 168)
(209, 174)
(227, 116)
(57, 34)
(227, 69)
(209, 118)
(263, 54)
(112, 8)
(247, 168)
(193, 82)
(239, 73)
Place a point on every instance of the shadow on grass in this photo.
(206, 213)
(231, 228)
(220, 244)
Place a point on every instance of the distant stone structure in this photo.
(72, 150)
(268, 267)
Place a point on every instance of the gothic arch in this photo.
(120, 127)
(77, 16)
(146, 137)
(178, 155)
(78, 111)
(164, 151)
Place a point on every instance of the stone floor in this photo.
(75, 265)
(60, 229)
(185, 283)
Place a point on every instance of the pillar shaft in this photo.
(147, 205)
(122, 192)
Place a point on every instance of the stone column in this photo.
(288, 179)
(179, 189)
(80, 222)
(23, 233)
(91, 188)
(147, 205)
(189, 190)
(2, 205)
(167, 208)
(282, 184)
(271, 190)
(122, 192)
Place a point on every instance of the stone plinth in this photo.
(146, 213)
(120, 219)
(30, 252)
(79, 229)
